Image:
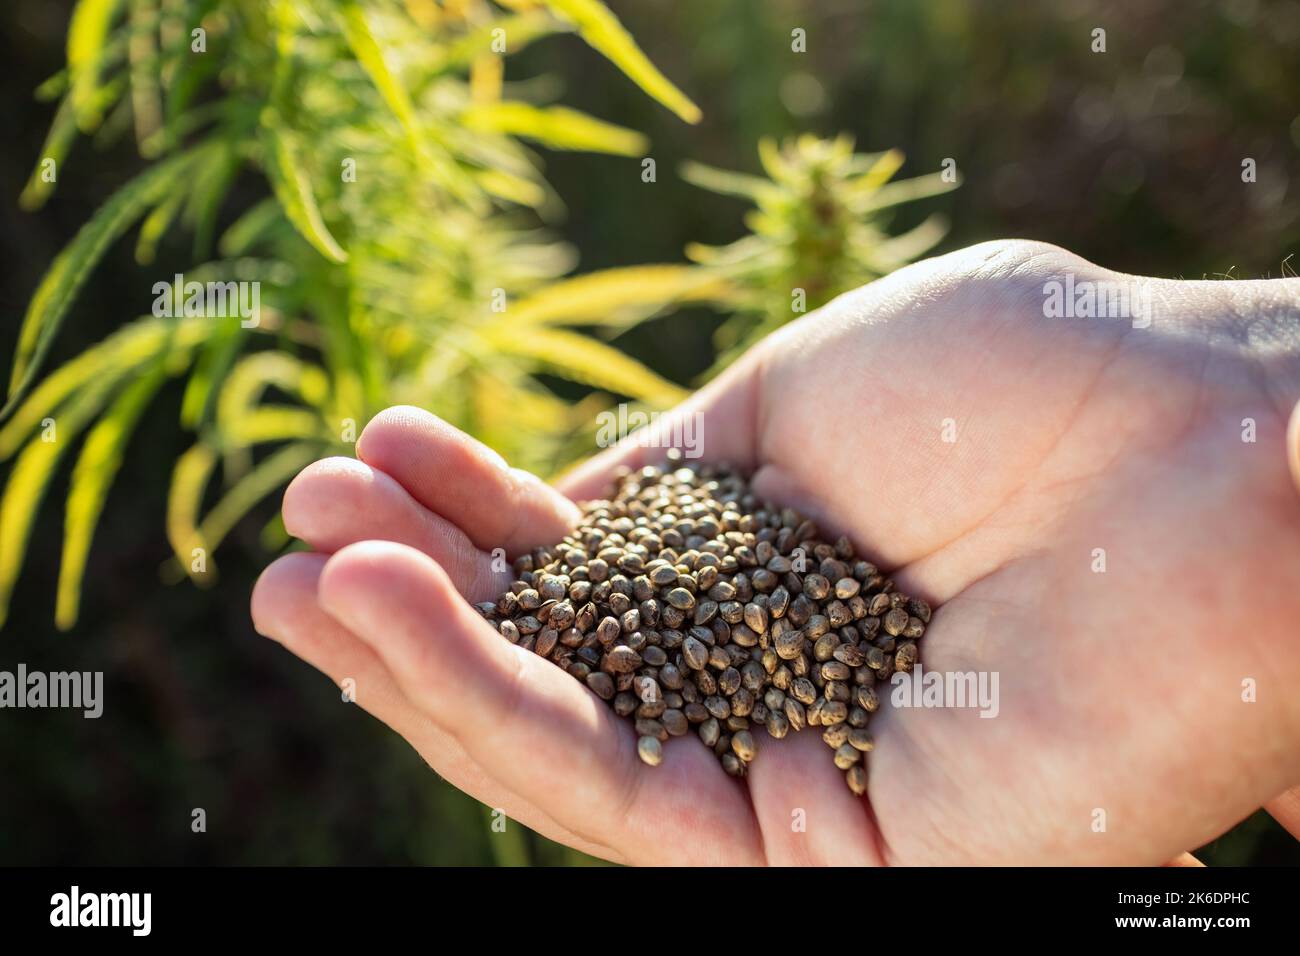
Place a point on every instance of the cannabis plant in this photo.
(399, 254)
(817, 230)
(396, 256)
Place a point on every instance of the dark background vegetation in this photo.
(1131, 158)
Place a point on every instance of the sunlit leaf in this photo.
(513, 189)
(250, 228)
(725, 182)
(103, 364)
(262, 480)
(87, 33)
(896, 251)
(98, 464)
(28, 480)
(370, 54)
(190, 477)
(583, 359)
(142, 51)
(881, 171)
(206, 190)
(293, 189)
(63, 130)
(601, 29)
(215, 360)
(253, 374)
(70, 269)
(618, 296)
(486, 76)
(907, 190)
(274, 423)
(556, 127)
(155, 226)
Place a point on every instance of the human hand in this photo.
(1121, 690)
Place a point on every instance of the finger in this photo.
(530, 725)
(719, 423)
(1293, 445)
(1185, 859)
(284, 608)
(809, 817)
(1285, 809)
(465, 482)
(339, 501)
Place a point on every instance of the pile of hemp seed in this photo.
(690, 605)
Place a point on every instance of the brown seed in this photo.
(836, 736)
(718, 707)
(706, 683)
(846, 757)
(803, 690)
(777, 725)
(654, 656)
(710, 731)
(753, 676)
(651, 728)
(682, 599)
(742, 742)
(795, 714)
(834, 712)
(824, 648)
(705, 612)
(733, 765)
(816, 586)
(846, 588)
(859, 739)
(561, 616)
(652, 710)
(837, 691)
(789, 645)
(602, 684)
(817, 625)
(777, 603)
(670, 677)
(742, 703)
(664, 576)
(729, 681)
(696, 654)
(920, 609)
(850, 655)
(857, 779)
(621, 660)
(836, 670)
(895, 621)
(675, 722)
(650, 750)
(607, 630)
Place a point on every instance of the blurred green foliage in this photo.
(1131, 157)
